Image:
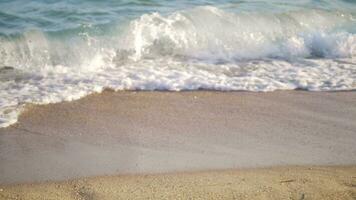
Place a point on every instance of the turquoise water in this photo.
(53, 51)
(17, 16)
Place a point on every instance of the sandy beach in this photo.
(270, 183)
(153, 99)
(130, 137)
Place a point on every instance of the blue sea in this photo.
(53, 51)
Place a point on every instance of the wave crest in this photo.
(201, 48)
(208, 32)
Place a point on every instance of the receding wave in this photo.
(200, 48)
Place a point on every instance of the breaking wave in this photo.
(201, 48)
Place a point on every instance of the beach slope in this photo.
(117, 133)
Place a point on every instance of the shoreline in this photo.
(142, 132)
(28, 106)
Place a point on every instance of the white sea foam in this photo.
(201, 48)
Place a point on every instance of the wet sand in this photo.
(117, 133)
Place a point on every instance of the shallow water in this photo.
(52, 51)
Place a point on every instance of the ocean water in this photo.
(53, 51)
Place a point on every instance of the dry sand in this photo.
(277, 183)
(116, 133)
